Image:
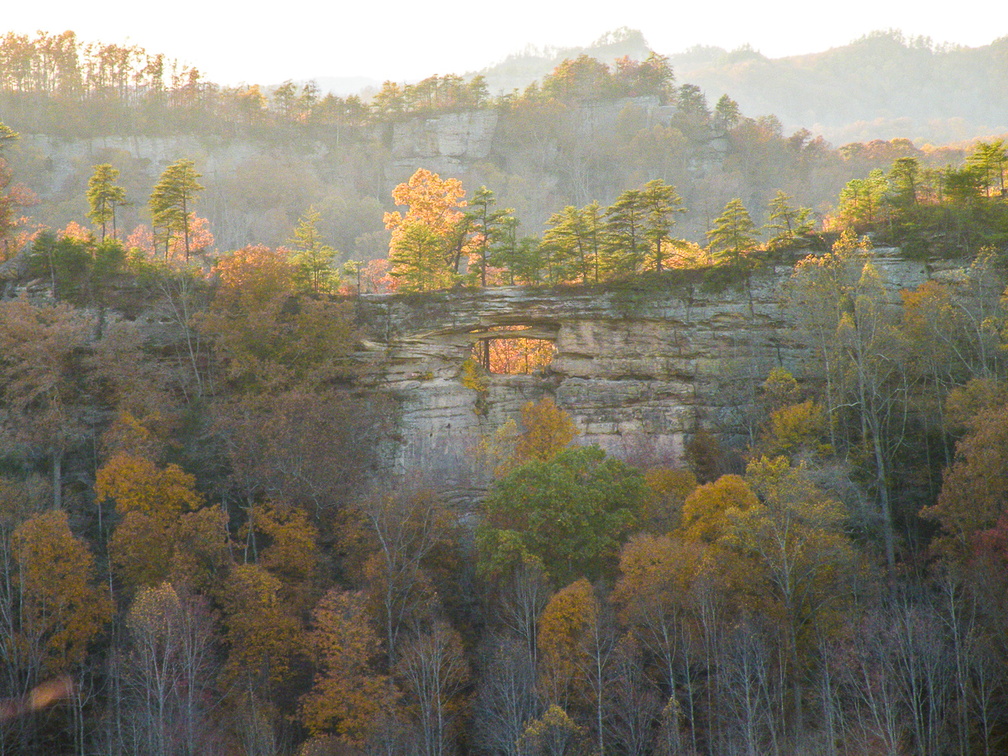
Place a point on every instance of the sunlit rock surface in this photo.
(640, 366)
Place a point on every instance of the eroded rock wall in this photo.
(639, 366)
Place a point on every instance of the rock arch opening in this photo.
(513, 350)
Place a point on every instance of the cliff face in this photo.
(640, 366)
(448, 142)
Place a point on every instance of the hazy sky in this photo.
(268, 42)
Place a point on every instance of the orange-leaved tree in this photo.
(348, 695)
(429, 240)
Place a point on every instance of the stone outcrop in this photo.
(640, 366)
(445, 142)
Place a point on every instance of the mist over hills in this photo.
(880, 86)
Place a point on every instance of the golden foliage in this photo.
(62, 606)
(546, 431)
(667, 489)
(794, 428)
(201, 555)
(140, 549)
(292, 551)
(263, 639)
(656, 573)
(136, 484)
(780, 388)
(152, 609)
(430, 235)
(565, 629)
(348, 694)
(431, 200)
(474, 377)
(554, 733)
(708, 509)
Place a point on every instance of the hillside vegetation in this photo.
(208, 543)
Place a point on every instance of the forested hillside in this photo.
(209, 542)
(587, 132)
(881, 86)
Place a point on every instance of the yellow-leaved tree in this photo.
(62, 606)
(565, 631)
(429, 240)
(707, 510)
(151, 502)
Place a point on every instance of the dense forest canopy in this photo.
(204, 546)
(588, 129)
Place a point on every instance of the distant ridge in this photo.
(519, 70)
(880, 86)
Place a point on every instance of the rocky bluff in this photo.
(640, 366)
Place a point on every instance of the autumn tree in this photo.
(44, 412)
(171, 202)
(284, 542)
(263, 639)
(667, 489)
(579, 79)
(12, 196)
(61, 606)
(434, 672)
(166, 673)
(150, 502)
(799, 536)
(656, 596)
(576, 645)
(429, 238)
(545, 431)
(554, 734)
(564, 627)
(973, 491)
(707, 511)
(348, 694)
(268, 338)
(104, 196)
(410, 535)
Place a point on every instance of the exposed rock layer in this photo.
(639, 366)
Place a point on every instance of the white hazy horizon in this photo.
(270, 43)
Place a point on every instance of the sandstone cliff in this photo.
(640, 366)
